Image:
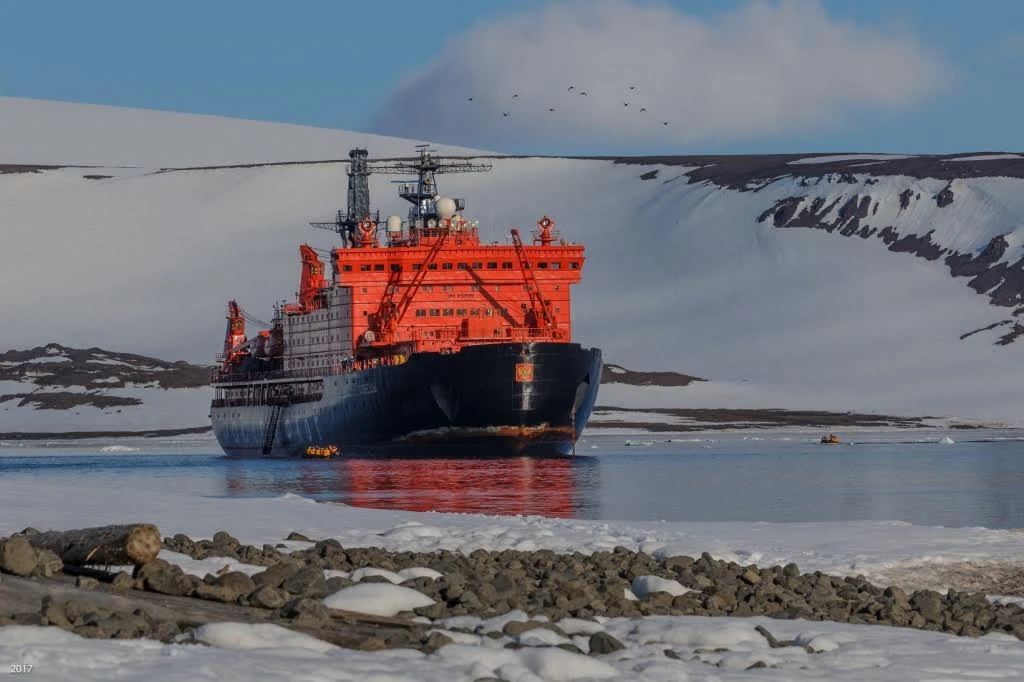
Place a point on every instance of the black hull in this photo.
(500, 399)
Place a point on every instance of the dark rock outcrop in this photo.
(616, 374)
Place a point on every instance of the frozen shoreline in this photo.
(511, 646)
(885, 552)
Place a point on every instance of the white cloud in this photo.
(765, 68)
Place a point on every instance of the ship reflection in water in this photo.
(557, 487)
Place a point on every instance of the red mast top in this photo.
(312, 282)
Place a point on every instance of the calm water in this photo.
(976, 481)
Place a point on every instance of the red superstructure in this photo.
(450, 290)
(418, 285)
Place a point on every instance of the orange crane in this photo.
(537, 302)
(390, 313)
(235, 334)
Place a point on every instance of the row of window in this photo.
(312, 340)
(479, 265)
(313, 317)
(457, 312)
(460, 312)
(449, 288)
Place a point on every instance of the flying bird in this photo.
(571, 88)
(643, 109)
(551, 108)
(632, 87)
(584, 93)
(504, 113)
(469, 99)
(625, 104)
(664, 123)
(515, 96)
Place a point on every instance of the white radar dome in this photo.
(445, 207)
(394, 223)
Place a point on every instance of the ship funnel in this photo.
(394, 224)
(445, 207)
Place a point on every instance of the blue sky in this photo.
(353, 65)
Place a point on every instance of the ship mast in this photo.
(421, 193)
(358, 188)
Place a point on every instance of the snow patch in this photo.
(848, 157)
(986, 157)
(249, 636)
(377, 599)
(559, 665)
(646, 585)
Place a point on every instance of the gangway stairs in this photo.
(271, 432)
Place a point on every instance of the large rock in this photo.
(48, 563)
(268, 598)
(17, 556)
(308, 582)
(165, 578)
(928, 604)
(305, 611)
(225, 541)
(276, 574)
(237, 584)
(603, 643)
(435, 640)
(214, 592)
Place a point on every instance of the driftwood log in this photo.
(134, 544)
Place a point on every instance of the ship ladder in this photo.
(572, 425)
(271, 432)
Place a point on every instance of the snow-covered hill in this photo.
(874, 283)
(62, 133)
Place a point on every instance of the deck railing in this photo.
(455, 334)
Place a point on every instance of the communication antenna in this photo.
(422, 192)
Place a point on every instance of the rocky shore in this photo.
(534, 590)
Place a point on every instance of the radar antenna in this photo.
(421, 193)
